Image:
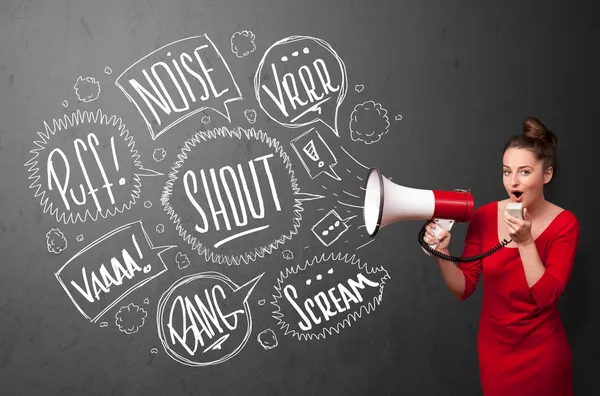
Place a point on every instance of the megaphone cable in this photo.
(454, 258)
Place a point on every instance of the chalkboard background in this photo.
(428, 91)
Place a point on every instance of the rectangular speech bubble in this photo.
(177, 81)
(315, 155)
(107, 270)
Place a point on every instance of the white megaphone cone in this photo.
(386, 202)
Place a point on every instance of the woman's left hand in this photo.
(519, 230)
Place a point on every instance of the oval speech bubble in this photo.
(301, 80)
(233, 196)
(321, 296)
(204, 319)
(85, 165)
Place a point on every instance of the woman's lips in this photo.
(518, 196)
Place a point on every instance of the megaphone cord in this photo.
(454, 258)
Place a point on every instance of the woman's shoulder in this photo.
(562, 215)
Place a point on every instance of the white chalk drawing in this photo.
(222, 201)
(368, 122)
(65, 103)
(204, 319)
(147, 204)
(242, 43)
(146, 301)
(205, 120)
(107, 70)
(398, 117)
(354, 197)
(159, 154)
(250, 115)
(330, 228)
(130, 318)
(313, 85)
(261, 302)
(207, 83)
(160, 228)
(359, 88)
(365, 244)
(317, 310)
(154, 350)
(79, 238)
(182, 260)
(74, 182)
(267, 339)
(110, 268)
(315, 155)
(319, 276)
(56, 241)
(104, 324)
(87, 89)
(287, 254)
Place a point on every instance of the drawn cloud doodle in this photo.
(159, 154)
(368, 122)
(130, 318)
(267, 339)
(87, 89)
(182, 260)
(55, 241)
(242, 43)
(250, 115)
(323, 295)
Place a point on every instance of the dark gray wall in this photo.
(462, 75)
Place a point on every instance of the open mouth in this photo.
(518, 194)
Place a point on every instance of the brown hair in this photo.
(539, 140)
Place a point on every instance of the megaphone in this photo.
(386, 202)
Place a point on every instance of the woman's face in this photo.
(524, 176)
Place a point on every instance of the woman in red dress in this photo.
(522, 345)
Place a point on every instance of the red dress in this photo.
(522, 345)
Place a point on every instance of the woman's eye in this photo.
(506, 172)
(525, 172)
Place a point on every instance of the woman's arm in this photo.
(462, 279)
(453, 276)
(532, 264)
(558, 265)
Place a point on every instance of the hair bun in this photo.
(535, 129)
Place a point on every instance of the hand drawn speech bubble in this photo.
(323, 295)
(177, 81)
(108, 269)
(204, 319)
(315, 155)
(233, 196)
(301, 80)
(85, 165)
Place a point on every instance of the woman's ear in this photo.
(548, 173)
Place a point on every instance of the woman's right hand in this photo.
(443, 238)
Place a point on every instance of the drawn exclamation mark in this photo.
(137, 247)
(148, 267)
(116, 161)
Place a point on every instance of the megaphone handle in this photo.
(441, 224)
